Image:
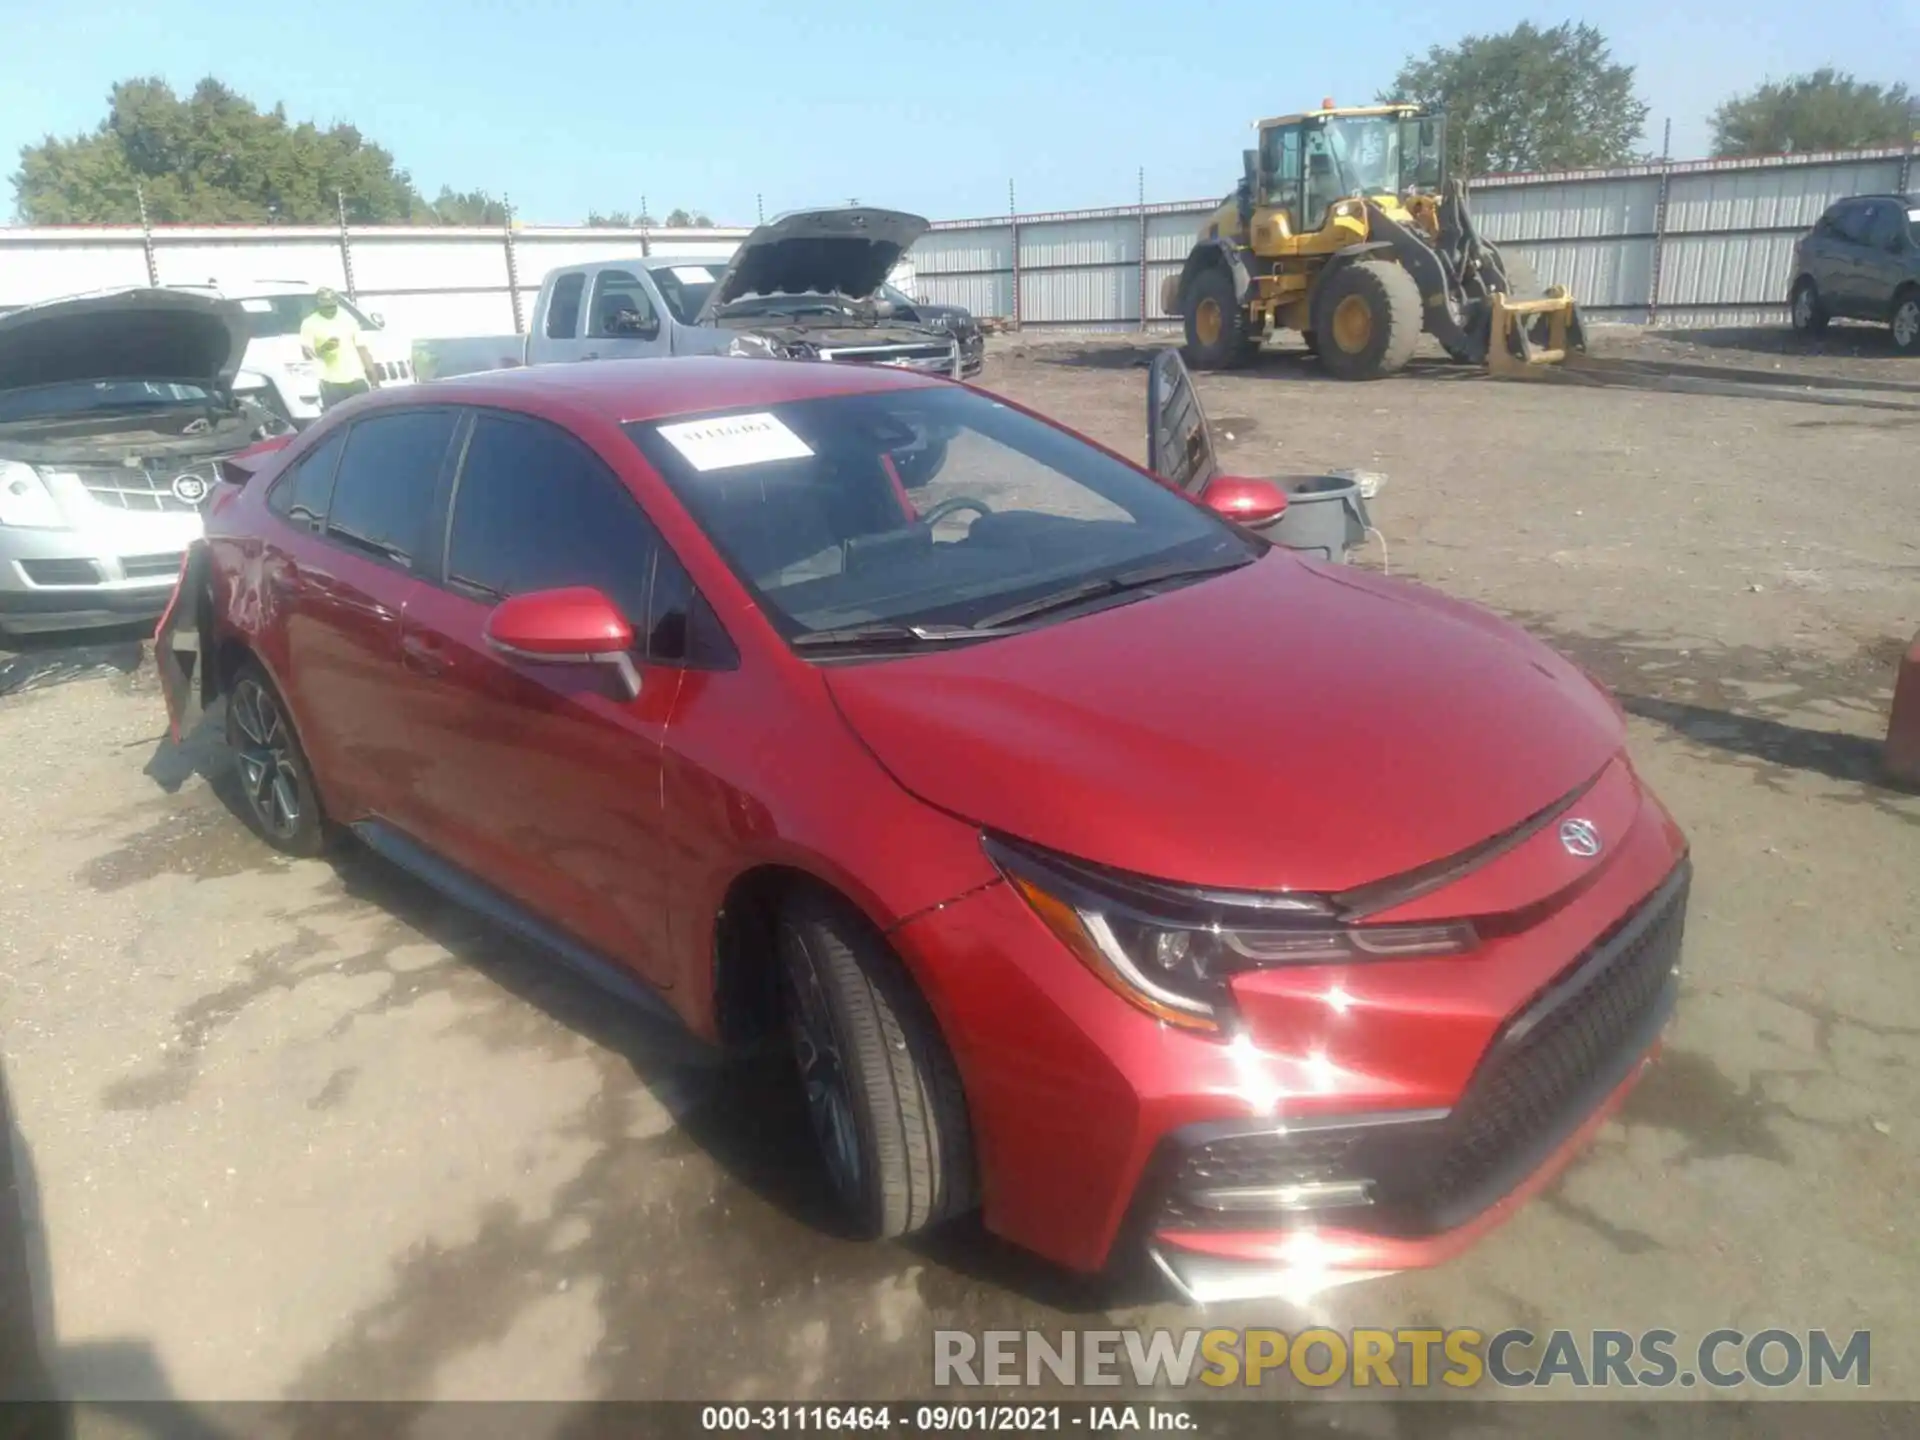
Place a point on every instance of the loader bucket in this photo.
(1529, 333)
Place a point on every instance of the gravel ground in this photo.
(300, 1130)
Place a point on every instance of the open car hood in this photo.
(849, 250)
(123, 335)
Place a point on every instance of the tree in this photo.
(683, 220)
(1827, 110)
(216, 157)
(1529, 99)
(464, 207)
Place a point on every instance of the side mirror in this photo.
(575, 626)
(1245, 502)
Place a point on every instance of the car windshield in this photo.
(269, 316)
(923, 507)
(81, 397)
(684, 288)
(1366, 148)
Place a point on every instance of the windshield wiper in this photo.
(887, 633)
(1138, 578)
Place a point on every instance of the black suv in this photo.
(1861, 262)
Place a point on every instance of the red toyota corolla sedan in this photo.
(1110, 869)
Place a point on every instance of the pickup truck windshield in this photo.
(934, 507)
(684, 288)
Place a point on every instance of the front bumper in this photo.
(109, 574)
(1233, 1163)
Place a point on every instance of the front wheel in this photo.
(1906, 323)
(1218, 335)
(1367, 320)
(881, 1089)
(276, 781)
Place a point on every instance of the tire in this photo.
(1218, 336)
(277, 794)
(1905, 322)
(1367, 320)
(1806, 310)
(898, 1151)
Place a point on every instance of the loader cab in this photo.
(1307, 164)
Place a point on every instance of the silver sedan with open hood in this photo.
(115, 412)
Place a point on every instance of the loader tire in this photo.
(1218, 335)
(1367, 320)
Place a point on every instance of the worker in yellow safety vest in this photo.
(333, 336)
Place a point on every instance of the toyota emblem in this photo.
(190, 489)
(1580, 838)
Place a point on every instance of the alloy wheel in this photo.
(1803, 308)
(265, 757)
(823, 1074)
(1906, 325)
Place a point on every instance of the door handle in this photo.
(422, 655)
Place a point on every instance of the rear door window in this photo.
(536, 510)
(302, 494)
(383, 492)
(563, 306)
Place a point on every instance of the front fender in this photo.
(1225, 254)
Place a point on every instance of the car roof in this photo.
(661, 388)
(639, 262)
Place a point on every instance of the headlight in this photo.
(25, 500)
(755, 347)
(1172, 950)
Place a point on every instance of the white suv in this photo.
(277, 369)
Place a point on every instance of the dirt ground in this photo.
(300, 1130)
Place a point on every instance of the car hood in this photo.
(849, 250)
(1289, 725)
(123, 335)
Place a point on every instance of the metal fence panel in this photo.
(1726, 270)
(1786, 198)
(33, 268)
(1085, 297)
(1581, 209)
(1728, 230)
(972, 250)
(1603, 275)
(1058, 243)
(311, 257)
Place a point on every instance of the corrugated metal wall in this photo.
(1703, 242)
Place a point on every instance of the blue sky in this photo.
(572, 104)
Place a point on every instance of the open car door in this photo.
(1179, 440)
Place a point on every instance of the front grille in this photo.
(1536, 1082)
(912, 357)
(149, 567)
(1551, 1064)
(61, 572)
(148, 490)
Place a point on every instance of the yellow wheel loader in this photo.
(1347, 228)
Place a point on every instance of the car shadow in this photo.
(1842, 340)
(1832, 753)
(749, 1117)
(45, 1387)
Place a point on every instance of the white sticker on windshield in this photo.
(693, 274)
(1914, 216)
(734, 440)
(257, 307)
